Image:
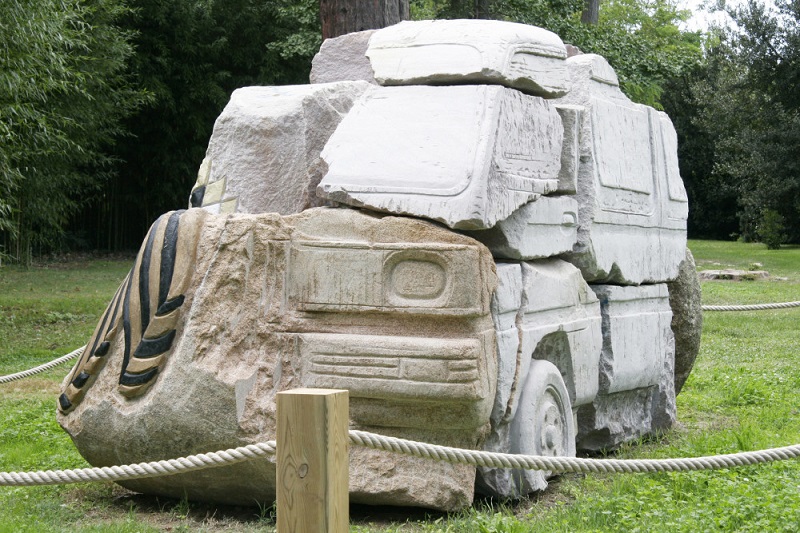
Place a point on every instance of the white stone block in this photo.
(571, 117)
(636, 321)
(545, 227)
(637, 393)
(263, 156)
(561, 309)
(557, 320)
(506, 310)
(466, 156)
(633, 206)
(437, 52)
(343, 58)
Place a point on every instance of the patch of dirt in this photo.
(27, 387)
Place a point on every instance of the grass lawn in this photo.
(744, 394)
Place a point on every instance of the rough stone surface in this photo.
(546, 227)
(637, 393)
(343, 58)
(685, 299)
(263, 156)
(543, 310)
(571, 120)
(395, 310)
(433, 52)
(466, 156)
(633, 206)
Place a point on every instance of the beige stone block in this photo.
(254, 314)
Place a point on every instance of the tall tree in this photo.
(346, 16)
(591, 12)
(63, 92)
(747, 105)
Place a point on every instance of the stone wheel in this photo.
(543, 424)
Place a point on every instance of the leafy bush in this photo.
(771, 229)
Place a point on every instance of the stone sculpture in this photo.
(528, 314)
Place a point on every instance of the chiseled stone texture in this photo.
(393, 309)
(687, 318)
(439, 52)
(637, 393)
(264, 152)
(343, 58)
(633, 206)
(545, 227)
(542, 310)
(466, 156)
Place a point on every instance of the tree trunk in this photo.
(482, 9)
(591, 12)
(346, 16)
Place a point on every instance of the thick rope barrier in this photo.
(406, 447)
(568, 464)
(754, 307)
(140, 470)
(41, 368)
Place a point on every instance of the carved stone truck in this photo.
(528, 313)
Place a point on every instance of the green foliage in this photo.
(63, 92)
(191, 55)
(770, 231)
(744, 110)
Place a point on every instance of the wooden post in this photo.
(313, 461)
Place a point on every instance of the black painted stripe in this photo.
(144, 277)
(81, 380)
(170, 305)
(126, 326)
(91, 351)
(196, 198)
(168, 253)
(64, 402)
(153, 347)
(102, 350)
(131, 379)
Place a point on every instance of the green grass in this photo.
(783, 263)
(743, 395)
